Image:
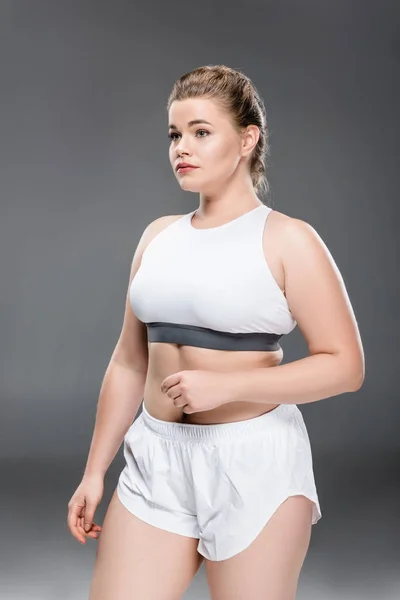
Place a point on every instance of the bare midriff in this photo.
(166, 359)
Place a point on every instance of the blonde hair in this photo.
(238, 96)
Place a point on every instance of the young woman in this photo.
(218, 463)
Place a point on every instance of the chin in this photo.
(190, 186)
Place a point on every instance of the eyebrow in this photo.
(195, 122)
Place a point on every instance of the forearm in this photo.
(299, 382)
(119, 400)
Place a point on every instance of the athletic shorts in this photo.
(218, 483)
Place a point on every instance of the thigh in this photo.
(270, 566)
(136, 561)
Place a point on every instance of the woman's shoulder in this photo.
(290, 229)
(155, 227)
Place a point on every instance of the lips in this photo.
(183, 165)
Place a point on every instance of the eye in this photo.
(172, 135)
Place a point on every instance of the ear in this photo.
(250, 138)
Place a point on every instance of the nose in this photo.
(180, 152)
(180, 149)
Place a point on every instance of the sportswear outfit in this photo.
(220, 483)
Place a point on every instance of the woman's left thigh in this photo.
(270, 567)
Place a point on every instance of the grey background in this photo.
(84, 168)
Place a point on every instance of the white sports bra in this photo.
(211, 288)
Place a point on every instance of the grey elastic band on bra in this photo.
(202, 337)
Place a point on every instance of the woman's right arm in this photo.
(121, 393)
(124, 381)
(123, 384)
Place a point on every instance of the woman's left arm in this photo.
(319, 302)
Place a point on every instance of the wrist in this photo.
(237, 386)
(93, 474)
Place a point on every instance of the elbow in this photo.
(352, 372)
(356, 383)
(356, 379)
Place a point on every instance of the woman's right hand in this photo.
(82, 506)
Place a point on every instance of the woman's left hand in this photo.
(197, 391)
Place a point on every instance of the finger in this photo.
(94, 531)
(177, 400)
(81, 526)
(94, 534)
(173, 392)
(72, 521)
(80, 522)
(89, 516)
(170, 381)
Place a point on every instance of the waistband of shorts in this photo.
(218, 431)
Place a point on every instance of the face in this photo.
(215, 147)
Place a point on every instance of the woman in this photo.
(218, 464)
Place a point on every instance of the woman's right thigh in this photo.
(136, 561)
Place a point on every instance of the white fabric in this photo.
(216, 278)
(219, 483)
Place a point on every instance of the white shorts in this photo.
(218, 483)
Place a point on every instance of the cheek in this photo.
(216, 154)
(223, 158)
